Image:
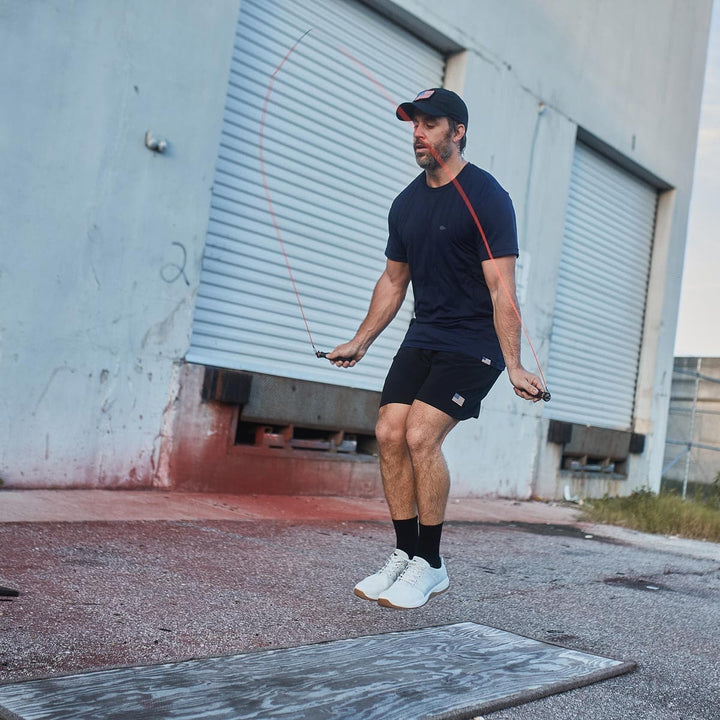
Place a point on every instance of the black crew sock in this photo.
(406, 534)
(428, 546)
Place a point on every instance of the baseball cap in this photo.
(435, 101)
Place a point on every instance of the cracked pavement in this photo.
(128, 591)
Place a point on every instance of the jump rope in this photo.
(544, 394)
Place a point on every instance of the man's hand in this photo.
(346, 355)
(526, 385)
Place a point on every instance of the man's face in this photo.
(432, 132)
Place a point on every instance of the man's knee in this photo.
(426, 430)
(419, 440)
(390, 431)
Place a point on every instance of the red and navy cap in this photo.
(438, 102)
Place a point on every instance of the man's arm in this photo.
(387, 297)
(500, 279)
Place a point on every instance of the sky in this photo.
(698, 330)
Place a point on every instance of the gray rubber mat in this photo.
(453, 671)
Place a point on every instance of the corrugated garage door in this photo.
(335, 157)
(602, 289)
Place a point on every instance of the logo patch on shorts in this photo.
(486, 360)
(458, 399)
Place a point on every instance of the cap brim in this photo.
(406, 111)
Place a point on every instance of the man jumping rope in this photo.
(465, 331)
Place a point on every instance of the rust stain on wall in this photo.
(201, 455)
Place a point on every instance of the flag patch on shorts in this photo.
(458, 399)
(486, 360)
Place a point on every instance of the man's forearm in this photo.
(507, 327)
(500, 275)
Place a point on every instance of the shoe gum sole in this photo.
(387, 603)
(362, 595)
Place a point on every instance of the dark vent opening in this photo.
(294, 437)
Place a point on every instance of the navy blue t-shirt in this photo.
(433, 231)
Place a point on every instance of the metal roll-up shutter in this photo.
(335, 157)
(601, 295)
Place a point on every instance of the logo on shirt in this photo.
(458, 399)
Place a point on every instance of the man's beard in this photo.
(443, 150)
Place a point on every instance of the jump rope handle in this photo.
(321, 354)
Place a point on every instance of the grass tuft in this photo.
(663, 514)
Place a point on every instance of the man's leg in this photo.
(399, 486)
(427, 428)
(425, 574)
(396, 467)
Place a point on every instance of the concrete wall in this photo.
(102, 240)
(694, 418)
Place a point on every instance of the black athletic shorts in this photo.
(451, 382)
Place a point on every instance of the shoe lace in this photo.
(412, 572)
(392, 565)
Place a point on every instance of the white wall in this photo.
(95, 314)
(93, 226)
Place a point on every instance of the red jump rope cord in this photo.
(271, 209)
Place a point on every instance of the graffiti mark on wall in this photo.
(173, 271)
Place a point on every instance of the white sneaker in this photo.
(417, 584)
(371, 587)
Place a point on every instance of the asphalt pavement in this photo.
(109, 578)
